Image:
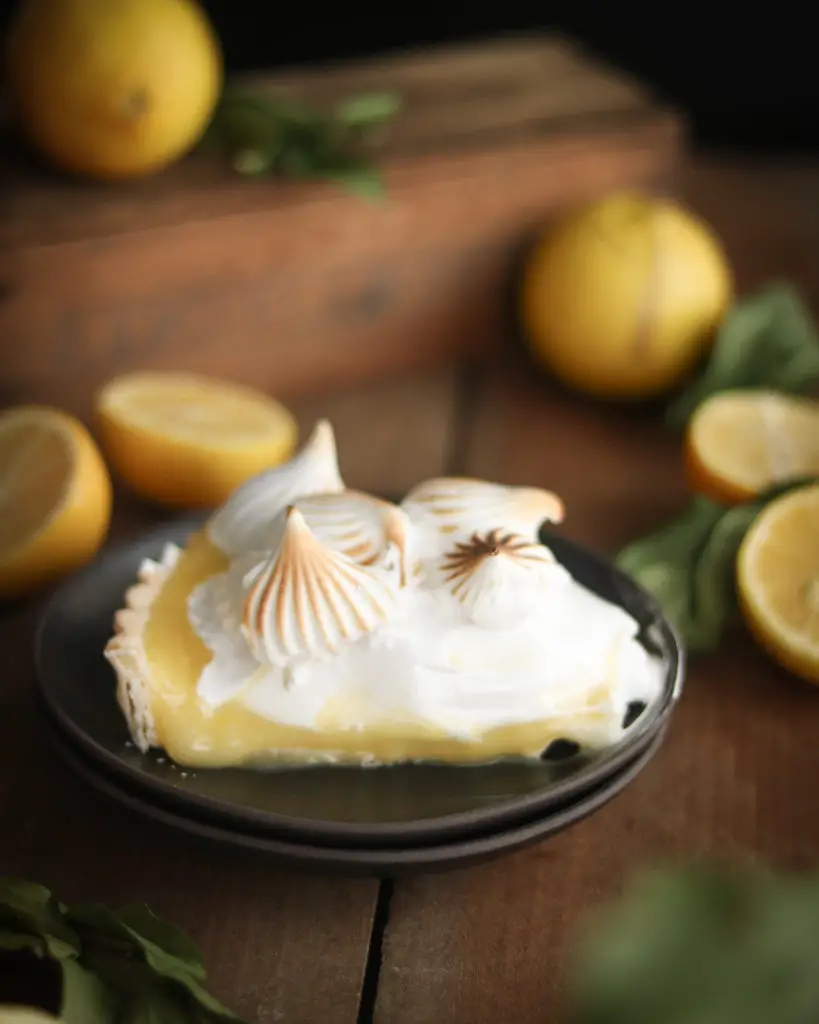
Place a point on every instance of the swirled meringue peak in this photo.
(243, 523)
(498, 578)
(367, 530)
(448, 507)
(308, 600)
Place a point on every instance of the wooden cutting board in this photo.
(301, 288)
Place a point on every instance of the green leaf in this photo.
(86, 999)
(181, 971)
(688, 565)
(713, 594)
(153, 1006)
(100, 928)
(702, 945)
(358, 177)
(31, 909)
(148, 929)
(164, 952)
(14, 942)
(137, 994)
(139, 986)
(117, 967)
(270, 135)
(217, 1011)
(664, 562)
(369, 109)
(254, 163)
(166, 948)
(768, 340)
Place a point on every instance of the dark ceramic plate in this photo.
(378, 861)
(325, 804)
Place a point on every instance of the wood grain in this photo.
(736, 777)
(279, 946)
(307, 299)
(300, 287)
(492, 91)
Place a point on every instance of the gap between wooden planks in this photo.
(494, 943)
(279, 946)
(489, 943)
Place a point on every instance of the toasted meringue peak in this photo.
(367, 530)
(308, 599)
(457, 506)
(243, 523)
(494, 576)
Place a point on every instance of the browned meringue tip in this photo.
(322, 436)
(358, 525)
(450, 498)
(294, 520)
(310, 598)
(544, 504)
(463, 560)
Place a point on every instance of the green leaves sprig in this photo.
(688, 565)
(692, 944)
(123, 967)
(767, 340)
(702, 944)
(264, 135)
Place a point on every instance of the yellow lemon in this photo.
(189, 441)
(623, 296)
(55, 497)
(113, 88)
(740, 443)
(778, 580)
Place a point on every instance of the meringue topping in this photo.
(244, 522)
(327, 624)
(309, 600)
(452, 506)
(497, 577)
(368, 530)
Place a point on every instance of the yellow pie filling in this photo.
(196, 735)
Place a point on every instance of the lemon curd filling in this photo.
(198, 736)
(310, 623)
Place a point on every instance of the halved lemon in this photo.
(740, 443)
(778, 580)
(55, 497)
(189, 441)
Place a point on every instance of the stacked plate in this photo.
(375, 820)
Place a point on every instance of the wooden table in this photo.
(737, 775)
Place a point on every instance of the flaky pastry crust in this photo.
(126, 649)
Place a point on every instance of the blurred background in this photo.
(748, 75)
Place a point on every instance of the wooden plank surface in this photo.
(279, 946)
(299, 287)
(489, 94)
(490, 943)
(738, 773)
(301, 301)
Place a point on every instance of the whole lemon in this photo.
(113, 89)
(623, 296)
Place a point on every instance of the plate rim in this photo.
(383, 862)
(356, 833)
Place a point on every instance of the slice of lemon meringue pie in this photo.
(307, 622)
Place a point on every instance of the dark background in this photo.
(748, 75)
